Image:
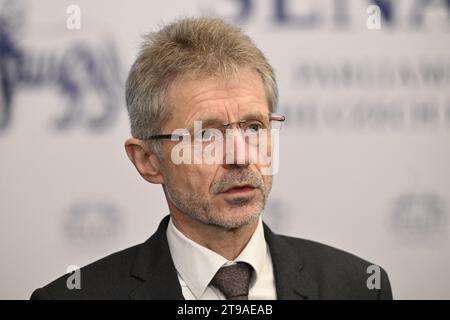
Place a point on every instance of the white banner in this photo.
(364, 154)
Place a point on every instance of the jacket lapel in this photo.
(154, 266)
(293, 279)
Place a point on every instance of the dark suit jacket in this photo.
(303, 269)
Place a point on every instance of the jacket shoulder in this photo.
(323, 254)
(343, 274)
(108, 277)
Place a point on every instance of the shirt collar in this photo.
(197, 265)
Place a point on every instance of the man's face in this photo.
(224, 195)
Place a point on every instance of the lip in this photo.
(243, 189)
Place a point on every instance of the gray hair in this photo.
(190, 46)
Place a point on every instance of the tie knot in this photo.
(233, 281)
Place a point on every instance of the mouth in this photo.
(240, 189)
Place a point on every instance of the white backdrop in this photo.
(365, 152)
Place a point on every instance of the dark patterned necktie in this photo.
(233, 281)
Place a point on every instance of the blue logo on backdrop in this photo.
(80, 72)
(282, 12)
(92, 222)
(418, 215)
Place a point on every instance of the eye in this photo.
(254, 127)
(207, 135)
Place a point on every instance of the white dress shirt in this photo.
(196, 266)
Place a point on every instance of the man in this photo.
(196, 85)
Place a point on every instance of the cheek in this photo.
(260, 169)
(267, 181)
(192, 177)
(203, 176)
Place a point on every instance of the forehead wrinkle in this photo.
(251, 108)
(216, 120)
(227, 100)
(215, 92)
(218, 95)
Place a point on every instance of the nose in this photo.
(237, 151)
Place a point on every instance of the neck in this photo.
(227, 242)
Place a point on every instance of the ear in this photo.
(147, 163)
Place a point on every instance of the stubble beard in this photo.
(197, 207)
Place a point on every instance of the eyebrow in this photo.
(256, 116)
(206, 122)
(215, 121)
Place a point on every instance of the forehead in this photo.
(213, 96)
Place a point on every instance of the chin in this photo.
(234, 218)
